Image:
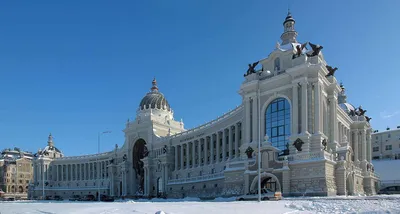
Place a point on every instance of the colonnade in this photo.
(362, 145)
(205, 150)
(80, 171)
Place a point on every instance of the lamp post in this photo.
(97, 162)
(259, 141)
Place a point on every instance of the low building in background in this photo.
(15, 172)
(386, 159)
(386, 144)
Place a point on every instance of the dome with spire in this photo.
(289, 18)
(154, 99)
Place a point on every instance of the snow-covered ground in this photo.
(376, 204)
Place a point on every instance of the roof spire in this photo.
(50, 141)
(154, 88)
(289, 33)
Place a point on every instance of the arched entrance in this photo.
(159, 187)
(139, 152)
(268, 181)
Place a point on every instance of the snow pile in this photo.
(331, 205)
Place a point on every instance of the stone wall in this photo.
(234, 183)
(205, 189)
(314, 179)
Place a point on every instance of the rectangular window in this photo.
(388, 147)
(376, 149)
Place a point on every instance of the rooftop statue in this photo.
(316, 49)
(361, 111)
(251, 68)
(299, 50)
(331, 71)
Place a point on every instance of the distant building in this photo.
(15, 172)
(386, 144)
(312, 141)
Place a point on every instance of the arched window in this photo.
(277, 122)
(277, 64)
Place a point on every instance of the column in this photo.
(230, 137)
(205, 151)
(66, 173)
(224, 145)
(57, 178)
(187, 155)
(246, 124)
(76, 172)
(356, 146)
(110, 172)
(84, 172)
(212, 148)
(145, 181)
(255, 121)
(181, 157)
(304, 108)
(295, 109)
(317, 108)
(363, 145)
(236, 140)
(193, 154)
(199, 151)
(97, 171)
(176, 157)
(217, 147)
(334, 125)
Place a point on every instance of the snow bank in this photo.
(302, 205)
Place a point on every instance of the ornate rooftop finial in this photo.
(154, 88)
(50, 141)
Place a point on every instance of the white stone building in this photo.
(317, 144)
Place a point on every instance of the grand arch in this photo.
(139, 152)
(264, 178)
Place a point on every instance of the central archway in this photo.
(139, 152)
(267, 180)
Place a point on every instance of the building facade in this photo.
(15, 172)
(386, 144)
(312, 142)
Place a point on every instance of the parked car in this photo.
(58, 198)
(266, 194)
(75, 198)
(88, 198)
(107, 198)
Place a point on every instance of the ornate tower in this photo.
(289, 33)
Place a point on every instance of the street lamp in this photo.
(259, 140)
(97, 161)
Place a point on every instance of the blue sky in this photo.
(75, 68)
